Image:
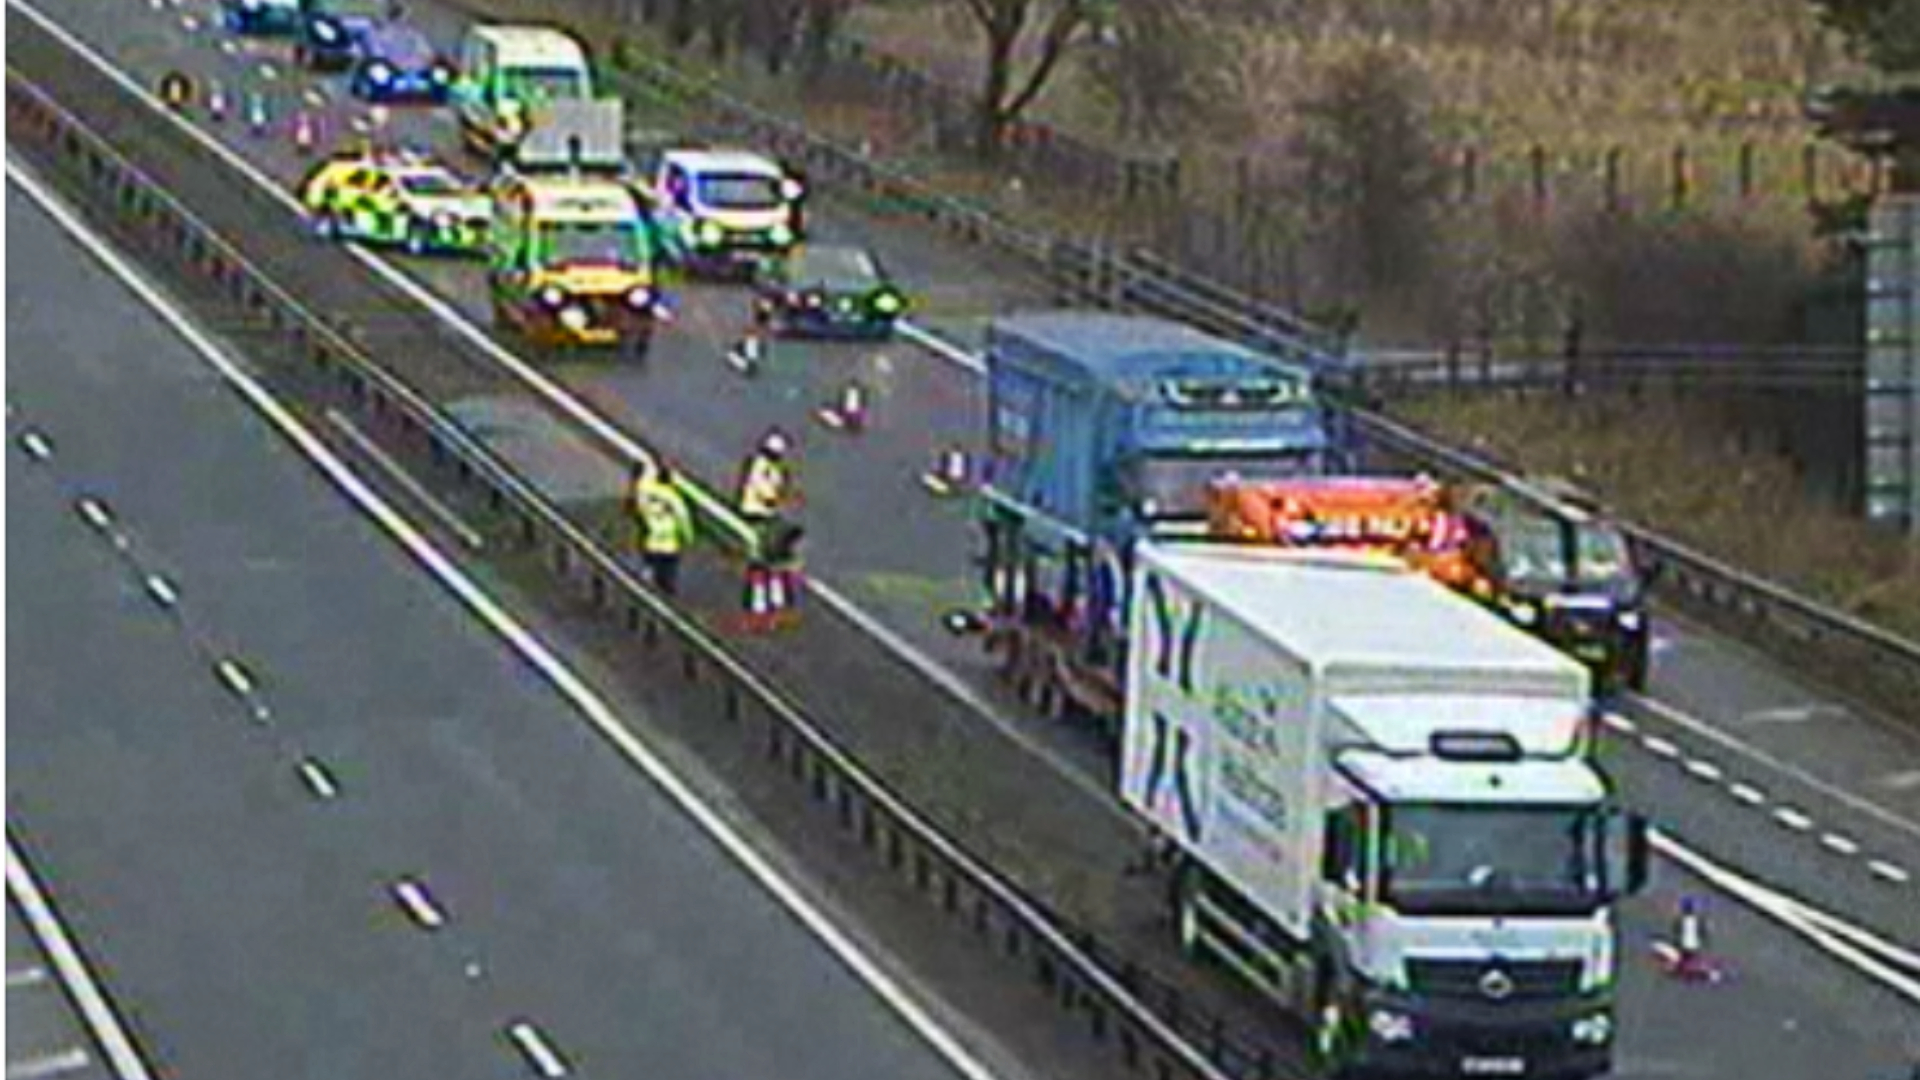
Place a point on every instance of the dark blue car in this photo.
(260, 17)
(397, 62)
(331, 30)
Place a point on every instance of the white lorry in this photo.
(1383, 809)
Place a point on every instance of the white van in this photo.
(506, 70)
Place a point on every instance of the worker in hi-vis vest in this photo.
(665, 524)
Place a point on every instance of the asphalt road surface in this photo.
(242, 852)
(45, 1037)
(1770, 992)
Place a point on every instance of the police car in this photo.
(825, 290)
(262, 17)
(396, 198)
(396, 61)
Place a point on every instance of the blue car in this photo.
(331, 30)
(260, 17)
(397, 62)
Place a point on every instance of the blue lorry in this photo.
(1104, 429)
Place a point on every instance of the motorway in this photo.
(902, 577)
(386, 847)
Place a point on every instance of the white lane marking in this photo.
(468, 535)
(1747, 793)
(1909, 780)
(1619, 723)
(162, 590)
(268, 73)
(1660, 747)
(557, 395)
(314, 98)
(539, 1053)
(234, 676)
(318, 779)
(419, 906)
(26, 976)
(1881, 868)
(81, 986)
(36, 445)
(1839, 844)
(1860, 950)
(939, 346)
(564, 680)
(1705, 770)
(229, 47)
(1794, 772)
(72, 1059)
(189, 23)
(95, 513)
(1793, 819)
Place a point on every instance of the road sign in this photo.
(1893, 362)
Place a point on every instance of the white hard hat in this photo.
(774, 443)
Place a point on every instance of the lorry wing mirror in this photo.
(964, 622)
(1639, 853)
(1628, 851)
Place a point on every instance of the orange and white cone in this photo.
(849, 413)
(257, 118)
(1685, 957)
(303, 133)
(949, 472)
(217, 103)
(748, 353)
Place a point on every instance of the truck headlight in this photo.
(326, 32)
(1631, 620)
(552, 296)
(1593, 1030)
(780, 235)
(888, 302)
(1522, 612)
(640, 296)
(379, 72)
(441, 73)
(709, 233)
(574, 318)
(1389, 1026)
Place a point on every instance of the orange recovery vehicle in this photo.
(1412, 518)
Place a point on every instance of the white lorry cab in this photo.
(726, 209)
(1383, 808)
(505, 71)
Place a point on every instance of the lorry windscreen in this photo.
(740, 191)
(593, 242)
(1176, 486)
(545, 84)
(1459, 859)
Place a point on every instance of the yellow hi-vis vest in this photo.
(666, 525)
(764, 490)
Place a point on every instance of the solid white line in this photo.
(1748, 794)
(1888, 871)
(1793, 819)
(419, 906)
(1659, 746)
(36, 445)
(1832, 791)
(1619, 723)
(1705, 770)
(1839, 844)
(72, 1059)
(318, 779)
(162, 590)
(562, 677)
(100, 1018)
(539, 1054)
(26, 976)
(941, 347)
(467, 534)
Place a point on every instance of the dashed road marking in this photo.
(72, 1059)
(1747, 793)
(229, 47)
(163, 591)
(1793, 819)
(268, 73)
(315, 98)
(1661, 747)
(26, 976)
(190, 23)
(1705, 770)
(1887, 871)
(318, 779)
(94, 513)
(234, 675)
(1619, 723)
(1908, 780)
(418, 905)
(1839, 844)
(539, 1053)
(37, 446)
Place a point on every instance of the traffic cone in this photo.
(948, 474)
(257, 114)
(748, 353)
(757, 601)
(303, 133)
(1685, 957)
(848, 414)
(217, 103)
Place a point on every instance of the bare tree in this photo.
(1006, 24)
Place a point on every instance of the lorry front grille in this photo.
(1525, 980)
